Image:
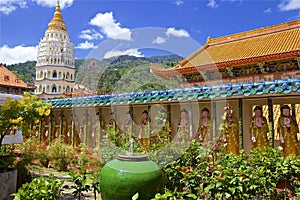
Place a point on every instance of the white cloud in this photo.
(7, 6)
(90, 34)
(111, 28)
(159, 40)
(212, 4)
(177, 33)
(268, 10)
(178, 2)
(85, 45)
(287, 5)
(130, 52)
(52, 3)
(17, 54)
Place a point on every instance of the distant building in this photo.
(55, 68)
(11, 86)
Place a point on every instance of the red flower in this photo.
(178, 167)
(187, 170)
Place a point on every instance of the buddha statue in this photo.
(259, 129)
(204, 128)
(184, 126)
(229, 129)
(144, 132)
(288, 129)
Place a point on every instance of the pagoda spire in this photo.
(57, 23)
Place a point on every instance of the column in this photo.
(99, 128)
(50, 128)
(214, 119)
(85, 132)
(191, 119)
(149, 123)
(131, 123)
(61, 126)
(73, 132)
(271, 121)
(169, 118)
(241, 123)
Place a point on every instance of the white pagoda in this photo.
(55, 68)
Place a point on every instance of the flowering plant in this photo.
(21, 114)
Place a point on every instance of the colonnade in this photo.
(88, 124)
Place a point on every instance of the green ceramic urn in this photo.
(122, 178)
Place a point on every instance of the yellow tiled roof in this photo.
(8, 78)
(242, 47)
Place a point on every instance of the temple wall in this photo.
(216, 108)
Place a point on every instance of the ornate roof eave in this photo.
(56, 80)
(288, 87)
(52, 65)
(17, 86)
(242, 62)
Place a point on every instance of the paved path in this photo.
(65, 177)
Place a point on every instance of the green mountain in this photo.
(117, 74)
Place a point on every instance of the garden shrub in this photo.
(61, 154)
(45, 188)
(207, 172)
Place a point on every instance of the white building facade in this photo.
(55, 68)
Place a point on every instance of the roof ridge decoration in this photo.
(241, 90)
(254, 33)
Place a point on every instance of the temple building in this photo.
(270, 53)
(55, 68)
(11, 86)
(254, 70)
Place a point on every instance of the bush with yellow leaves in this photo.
(22, 114)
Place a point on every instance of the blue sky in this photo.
(108, 28)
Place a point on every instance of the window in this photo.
(54, 88)
(54, 75)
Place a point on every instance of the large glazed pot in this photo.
(122, 178)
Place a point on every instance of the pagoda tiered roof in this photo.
(245, 90)
(278, 42)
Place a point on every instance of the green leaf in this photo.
(136, 196)
(192, 196)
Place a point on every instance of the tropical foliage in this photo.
(40, 188)
(22, 114)
(207, 172)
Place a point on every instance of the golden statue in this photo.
(126, 129)
(184, 127)
(160, 135)
(144, 132)
(204, 128)
(259, 129)
(229, 129)
(288, 129)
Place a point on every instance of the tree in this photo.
(22, 114)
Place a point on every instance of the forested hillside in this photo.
(117, 74)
